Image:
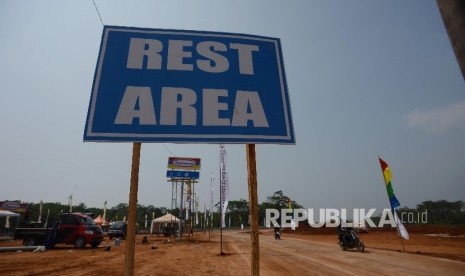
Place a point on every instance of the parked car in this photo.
(118, 229)
(72, 228)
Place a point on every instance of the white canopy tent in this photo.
(5, 213)
(8, 223)
(159, 223)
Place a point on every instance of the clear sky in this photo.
(366, 79)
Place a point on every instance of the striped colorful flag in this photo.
(392, 198)
(387, 179)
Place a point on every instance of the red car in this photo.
(78, 229)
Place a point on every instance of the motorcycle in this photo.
(277, 233)
(348, 239)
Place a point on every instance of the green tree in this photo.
(118, 212)
(81, 207)
(277, 201)
(443, 211)
(238, 210)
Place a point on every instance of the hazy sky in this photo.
(365, 78)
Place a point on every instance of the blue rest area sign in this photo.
(183, 174)
(179, 86)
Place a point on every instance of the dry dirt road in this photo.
(291, 256)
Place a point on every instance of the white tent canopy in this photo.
(8, 223)
(5, 213)
(166, 218)
(160, 221)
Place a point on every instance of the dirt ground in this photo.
(439, 241)
(200, 255)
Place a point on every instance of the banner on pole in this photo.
(224, 184)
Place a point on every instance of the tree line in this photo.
(438, 212)
(237, 212)
(441, 212)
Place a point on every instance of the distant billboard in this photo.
(184, 163)
(155, 85)
(14, 206)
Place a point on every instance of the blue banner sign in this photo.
(155, 85)
(183, 174)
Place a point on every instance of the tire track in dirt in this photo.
(302, 257)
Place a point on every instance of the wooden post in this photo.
(131, 228)
(253, 209)
(453, 16)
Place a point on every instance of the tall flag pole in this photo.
(104, 213)
(197, 211)
(224, 191)
(70, 203)
(46, 221)
(204, 215)
(289, 205)
(212, 189)
(210, 211)
(7, 222)
(40, 211)
(393, 200)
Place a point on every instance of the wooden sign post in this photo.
(253, 209)
(124, 111)
(132, 208)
